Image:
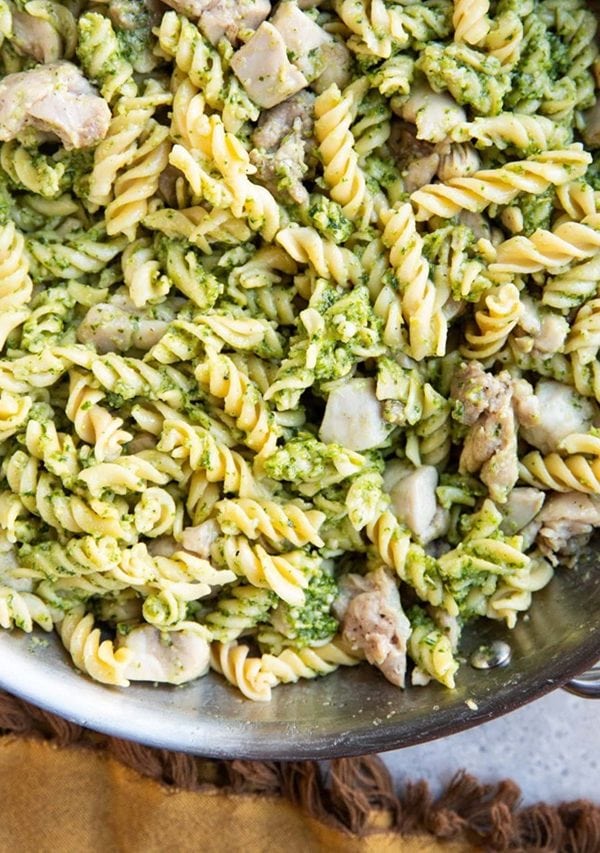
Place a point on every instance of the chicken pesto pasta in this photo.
(299, 328)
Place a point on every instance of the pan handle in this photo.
(586, 685)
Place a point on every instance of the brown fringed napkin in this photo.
(64, 788)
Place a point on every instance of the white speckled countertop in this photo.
(551, 748)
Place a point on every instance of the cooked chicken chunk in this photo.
(173, 657)
(591, 126)
(191, 8)
(200, 539)
(373, 621)
(282, 141)
(56, 99)
(484, 402)
(337, 61)
(414, 502)
(354, 416)
(477, 223)
(304, 39)
(125, 14)
(264, 70)
(283, 169)
(396, 470)
(119, 325)
(521, 507)
(539, 332)
(474, 392)
(417, 159)
(566, 523)
(434, 113)
(36, 37)
(110, 328)
(226, 18)
(555, 412)
(275, 124)
(457, 160)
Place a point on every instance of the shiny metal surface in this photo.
(351, 712)
(498, 653)
(586, 685)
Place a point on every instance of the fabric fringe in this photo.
(355, 795)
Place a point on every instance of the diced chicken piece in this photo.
(560, 412)
(414, 501)
(525, 403)
(591, 126)
(191, 8)
(540, 332)
(264, 70)
(434, 113)
(477, 223)
(227, 18)
(106, 327)
(484, 402)
(417, 159)
(491, 448)
(354, 416)
(373, 621)
(274, 125)
(474, 391)
(521, 507)
(163, 546)
(147, 332)
(457, 160)
(36, 37)
(283, 169)
(566, 523)
(56, 99)
(284, 146)
(395, 471)
(125, 14)
(200, 539)
(173, 657)
(112, 329)
(337, 61)
(551, 337)
(304, 39)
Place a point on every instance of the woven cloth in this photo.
(65, 788)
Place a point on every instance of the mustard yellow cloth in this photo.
(81, 800)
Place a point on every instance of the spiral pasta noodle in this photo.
(272, 520)
(549, 250)
(502, 185)
(341, 170)
(471, 23)
(90, 654)
(426, 323)
(278, 322)
(494, 321)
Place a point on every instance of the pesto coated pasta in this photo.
(299, 329)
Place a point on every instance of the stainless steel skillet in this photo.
(350, 712)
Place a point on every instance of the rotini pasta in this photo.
(502, 185)
(297, 305)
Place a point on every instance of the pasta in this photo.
(502, 185)
(299, 329)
